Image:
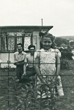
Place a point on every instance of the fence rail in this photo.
(21, 96)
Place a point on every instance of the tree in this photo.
(60, 41)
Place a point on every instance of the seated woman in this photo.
(30, 70)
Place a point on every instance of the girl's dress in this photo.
(47, 70)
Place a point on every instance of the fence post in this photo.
(8, 75)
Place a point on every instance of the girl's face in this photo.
(46, 42)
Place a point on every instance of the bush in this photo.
(65, 64)
(66, 54)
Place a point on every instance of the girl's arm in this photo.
(57, 65)
(57, 69)
(36, 65)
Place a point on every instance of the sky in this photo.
(56, 13)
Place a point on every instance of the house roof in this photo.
(31, 28)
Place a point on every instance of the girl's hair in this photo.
(48, 35)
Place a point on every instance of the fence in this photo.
(21, 96)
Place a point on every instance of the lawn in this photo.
(67, 75)
(13, 95)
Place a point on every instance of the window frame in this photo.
(7, 51)
(15, 42)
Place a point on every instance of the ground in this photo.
(13, 95)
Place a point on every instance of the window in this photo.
(11, 44)
(7, 44)
(27, 40)
(4, 42)
(19, 39)
(9, 41)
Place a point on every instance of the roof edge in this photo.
(24, 26)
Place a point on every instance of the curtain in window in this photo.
(4, 42)
(27, 42)
(11, 43)
(19, 39)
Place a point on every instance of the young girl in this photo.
(47, 66)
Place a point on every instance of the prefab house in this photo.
(11, 35)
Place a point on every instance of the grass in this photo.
(13, 95)
(67, 102)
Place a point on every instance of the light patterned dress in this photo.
(47, 70)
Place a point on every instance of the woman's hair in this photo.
(20, 44)
(30, 46)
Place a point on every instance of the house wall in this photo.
(4, 58)
(36, 39)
